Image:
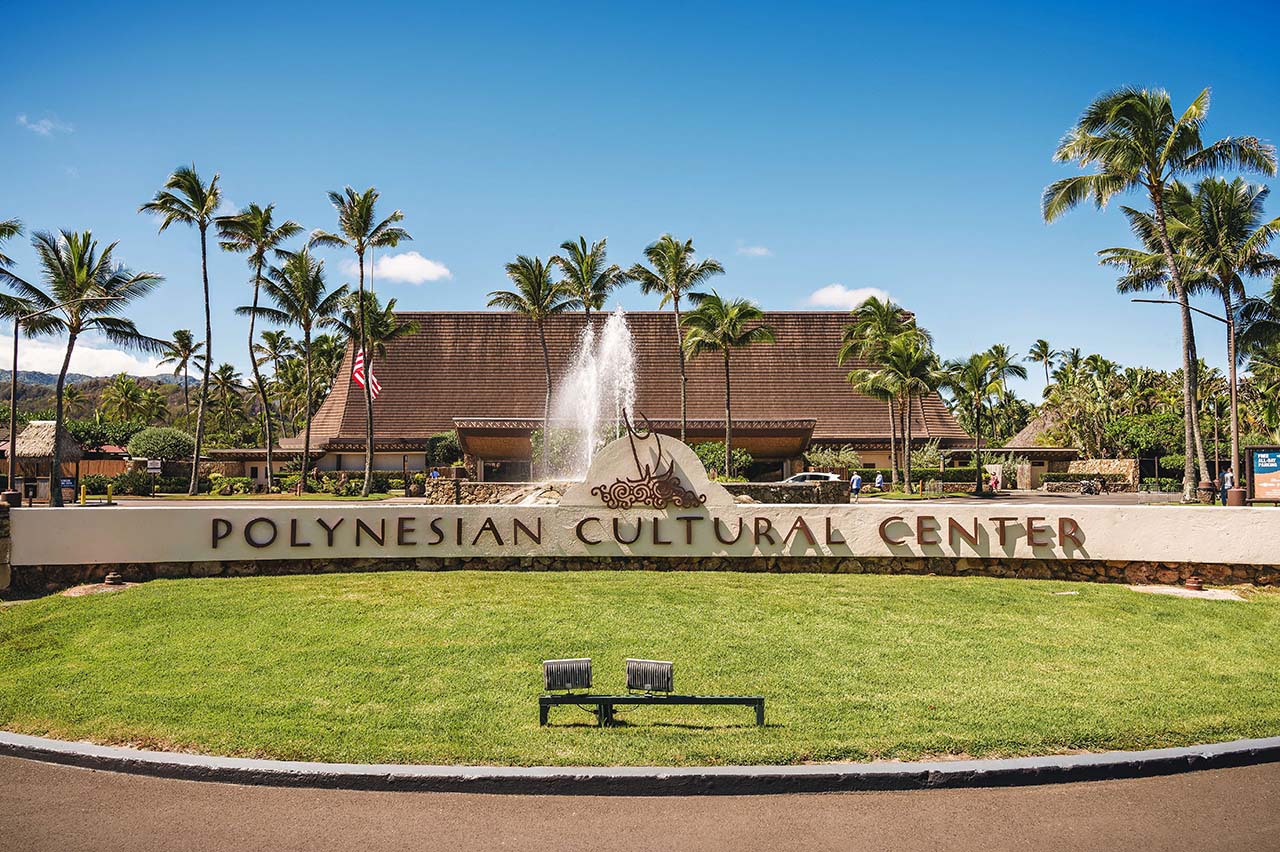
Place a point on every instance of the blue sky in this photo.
(803, 145)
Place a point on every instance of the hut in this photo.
(34, 456)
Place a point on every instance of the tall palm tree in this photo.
(674, 274)
(1004, 366)
(9, 228)
(124, 399)
(872, 325)
(1042, 353)
(537, 297)
(253, 231)
(180, 352)
(971, 385)
(912, 369)
(186, 199)
(589, 278)
(360, 230)
(302, 299)
(72, 399)
(227, 385)
(723, 325)
(274, 346)
(1135, 141)
(85, 290)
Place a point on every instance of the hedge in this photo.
(1077, 477)
(164, 443)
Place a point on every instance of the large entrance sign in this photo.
(643, 498)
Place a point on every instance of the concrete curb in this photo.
(648, 780)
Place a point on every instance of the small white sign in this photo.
(153, 466)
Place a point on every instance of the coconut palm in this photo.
(180, 352)
(971, 385)
(73, 399)
(537, 297)
(1004, 366)
(85, 291)
(186, 199)
(253, 231)
(124, 399)
(722, 325)
(912, 370)
(1135, 141)
(674, 274)
(588, 276)
(302, 299)
(360, 230)
(227, 385)
(1042, 353)
(274, 346)
(9, 228)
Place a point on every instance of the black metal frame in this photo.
(604, 704)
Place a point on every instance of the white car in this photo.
(812, 476)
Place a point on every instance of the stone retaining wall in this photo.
(1128, 468)
(35, 579)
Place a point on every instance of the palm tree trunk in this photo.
(1231, 370)
(906, 444)
(368, 391)
(1189, 378)
(728, 421)
(546, 403)
(208, 355)
(906, 452)
(13, 406)
(684, 379)
(893, 445)
(257, 378)
(186, 392)
(55, 469)
(306, 442)
(977, 447)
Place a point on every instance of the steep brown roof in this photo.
(1034, 435)
(36, 442)
(480, 365)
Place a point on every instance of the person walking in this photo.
(879, 481)
(1228, 482)
(855, 485)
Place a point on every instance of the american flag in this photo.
(357, 375)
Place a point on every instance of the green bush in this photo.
(956, 474)
(1163, 483)
(134, 483)
(443, 449)
(832, 456)
(164, 443)
(95, 483)
(1172, 462)
(228, 485)
(711, 454)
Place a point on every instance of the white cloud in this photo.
(44, 126)
(840, 296)
(45, 356)
(406, 268)
(754, 251)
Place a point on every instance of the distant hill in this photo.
(34, 377)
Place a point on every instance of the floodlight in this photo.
(649, 675)
(567, 674)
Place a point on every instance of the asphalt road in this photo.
(47, 807)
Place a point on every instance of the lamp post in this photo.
(11, 497)
(1236, 494)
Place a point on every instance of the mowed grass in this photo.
(445, 667)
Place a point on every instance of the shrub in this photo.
(1173, 462)
(228, 485)
(928, 456)
(134, 483)
(93, 435)
(395, 484)
(95, 483)
(164, 443)
(443, 449)
(956, 474)
(1163, 483)
(711, 454)
(832, 456)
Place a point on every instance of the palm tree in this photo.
(588, 276)
(180, 352)
(1042, 353)
(85, 290)
(874, 323)
(227, 385)
(971, 385)
(1004, 366)
(723, 325)
(185, 199)
(155, 406)
(124, 399)
(297, 289)
(360, 230)
(674, 274)
(912, 370)
(274, 346)
(9, 228)
(537, 297)
(254, 231)
(877, 384)
(1136, 142)
(72, 399)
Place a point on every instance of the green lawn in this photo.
(444, 668)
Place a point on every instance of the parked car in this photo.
(812, 476)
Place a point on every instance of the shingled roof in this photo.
(483, 365)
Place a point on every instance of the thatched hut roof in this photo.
(1035, 435)
(36, 443)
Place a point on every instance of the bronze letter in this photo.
(248, 532)
(657, 522)
(715, 525)
(800, 526)
(403, 530)
(489, 526)
(221, 529)
(436, 531)
(884, 526)
(582, 537)
(1069, 530)
(378, 536)
(927, 527)
(519, 526)
(460, 529)
(330, 530)
(688, 526)
(764, 530)
(831, 534)
(617, 536)
(1034, 530)
(1001, 522)
(955, 528)
(293, 535)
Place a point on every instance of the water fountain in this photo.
(591, 399)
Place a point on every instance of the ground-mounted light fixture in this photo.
(649, 675)
(567, 674)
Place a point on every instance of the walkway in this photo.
(48, 807)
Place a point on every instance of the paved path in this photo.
(48, 807)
